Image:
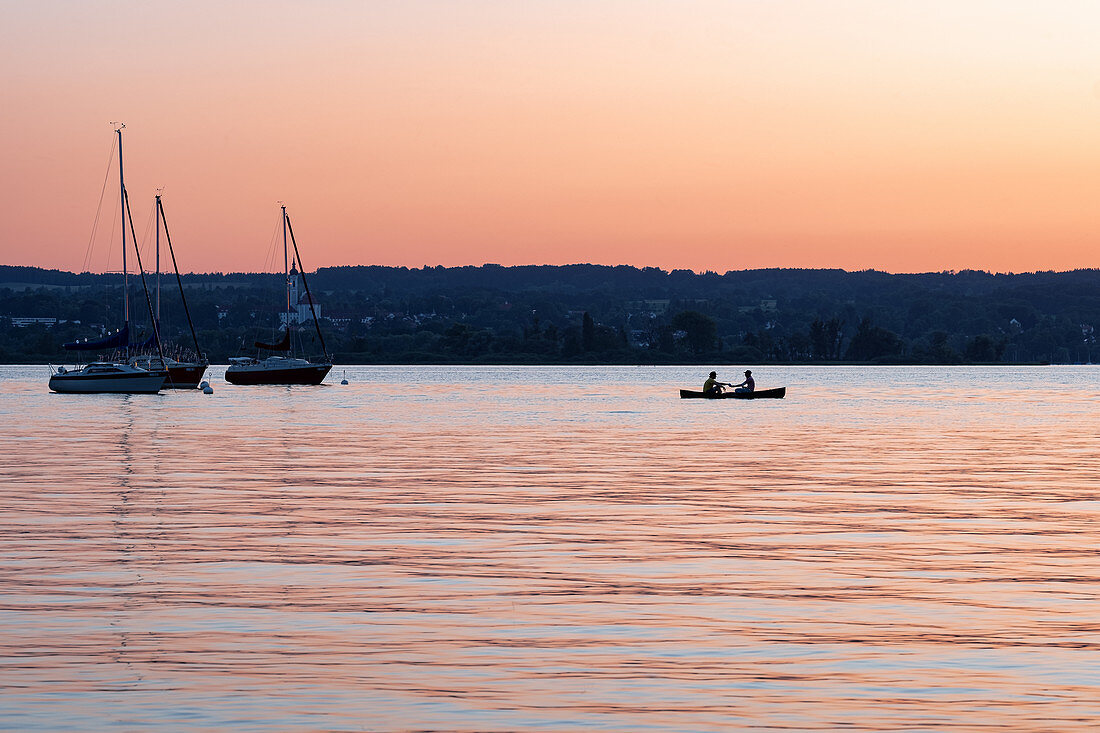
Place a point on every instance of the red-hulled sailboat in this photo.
(185, 369)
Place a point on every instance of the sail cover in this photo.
(283, 345)
(115, 340)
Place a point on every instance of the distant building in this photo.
(299, 303)
(23, 322)
(340, 319)
(767, 305)
(657, 307)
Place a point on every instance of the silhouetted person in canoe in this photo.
(713, 386)
(749, 385)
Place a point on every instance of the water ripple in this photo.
(885, 549)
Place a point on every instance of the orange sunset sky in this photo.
(903, 136)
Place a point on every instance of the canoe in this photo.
(777, 393)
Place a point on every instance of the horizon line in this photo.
(581, 264)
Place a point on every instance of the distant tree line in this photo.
(589, 314)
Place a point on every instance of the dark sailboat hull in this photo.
(777, 393)
(284, 369)
(184, 376)
(248, 375)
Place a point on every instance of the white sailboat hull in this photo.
(112, 378)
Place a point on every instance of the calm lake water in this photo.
(555, 549)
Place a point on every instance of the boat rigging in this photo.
(284, 369)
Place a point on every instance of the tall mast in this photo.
(144, 286)
(121, 198)
(179, 280)
(286, 271)
(158, 258)
(309, 296)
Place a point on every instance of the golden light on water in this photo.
(556, 548)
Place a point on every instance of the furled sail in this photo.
(283, 345)
(118, 339)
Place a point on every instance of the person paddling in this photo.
(713, 386)
(749, 385)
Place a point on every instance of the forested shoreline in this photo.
(587, 314)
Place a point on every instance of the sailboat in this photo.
(100, 376)
(186, 371)
(282, 366)
(111, 376)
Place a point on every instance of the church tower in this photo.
(294, 289)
